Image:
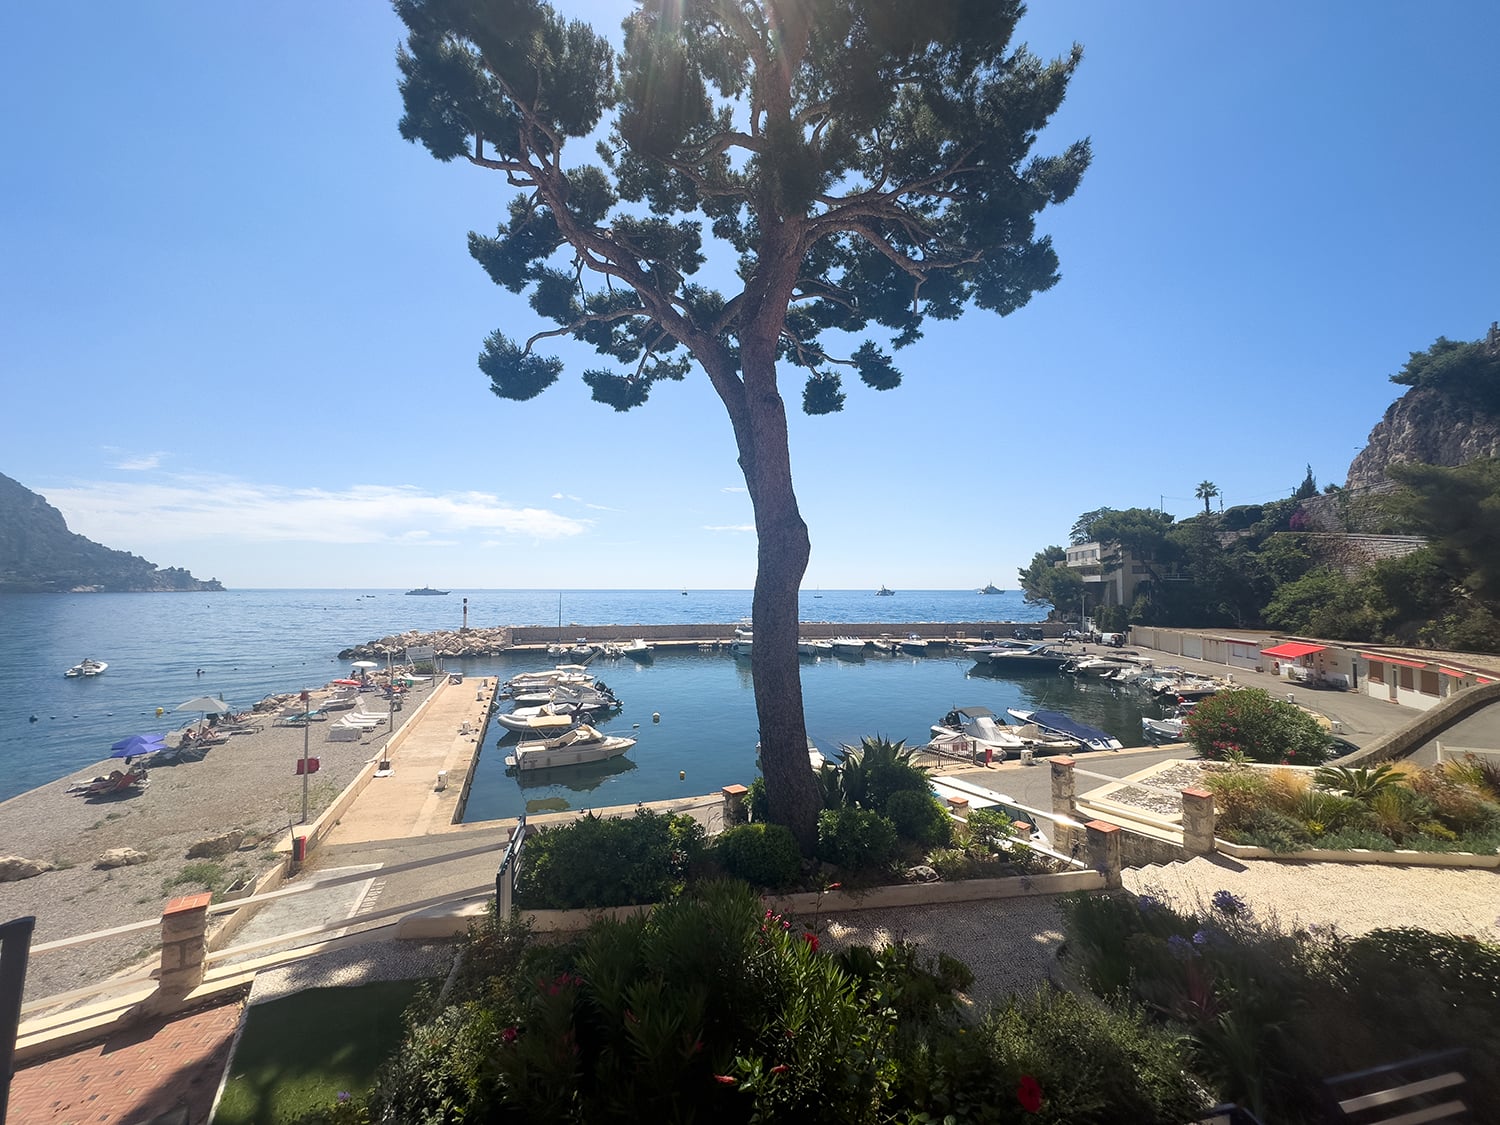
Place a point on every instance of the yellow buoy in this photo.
(160, 711)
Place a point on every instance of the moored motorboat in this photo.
(851, 648)
(1029, 658)
(88, 666)
(639, 651)
(744, 641)
(547, 720)
(573, 747)
(1064, 725)
(969, 729)
(806, 647)
(915, 644)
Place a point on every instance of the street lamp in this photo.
(306, 725)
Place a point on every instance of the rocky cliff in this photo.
(1451, 415)
(38, 554)
(1427, 425)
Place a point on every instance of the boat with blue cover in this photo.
(1058, 723)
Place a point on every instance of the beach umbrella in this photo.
(138, 744)
(205, 704)
(364, 667)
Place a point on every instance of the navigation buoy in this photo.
(160, 711)
(656, 716)
(682, 775)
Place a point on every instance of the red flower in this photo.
(508, 1035)
(812, 940)
(1029, 1093)
(833, 886)
(781, 1068)
(726, 1079)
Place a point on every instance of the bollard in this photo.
(1198, 823)
(442, 780)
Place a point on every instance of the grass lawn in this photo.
(297, 1053)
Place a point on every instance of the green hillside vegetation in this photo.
(1259, 565)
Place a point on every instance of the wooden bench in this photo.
(1426, 1088)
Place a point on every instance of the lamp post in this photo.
(306, 723)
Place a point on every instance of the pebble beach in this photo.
(247, 784)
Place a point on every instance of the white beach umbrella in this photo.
(205, 704)
(364, 667)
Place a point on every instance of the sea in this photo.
(692, 712)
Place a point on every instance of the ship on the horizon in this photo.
(424, 592)
(991, 588)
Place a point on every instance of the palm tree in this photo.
(1206, 492)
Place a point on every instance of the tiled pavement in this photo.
(165, 1071)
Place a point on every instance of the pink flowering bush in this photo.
(1248, 724)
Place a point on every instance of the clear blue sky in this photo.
(239, 321)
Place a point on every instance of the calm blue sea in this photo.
(250, 643)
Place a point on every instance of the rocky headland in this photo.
(39, 555)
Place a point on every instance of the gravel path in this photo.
(1354, 897)
(248, 783)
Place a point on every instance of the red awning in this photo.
(1292, 649)
(1384, 659)
(1454, 672)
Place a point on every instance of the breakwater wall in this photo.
(493, 641)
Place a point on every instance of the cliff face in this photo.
(1428, 426)
(38, 554)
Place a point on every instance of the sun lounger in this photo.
(341, 732)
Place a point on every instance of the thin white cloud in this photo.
(141, 462)
(185, 508)
(729, 527)
(585, 503)
(734, 488)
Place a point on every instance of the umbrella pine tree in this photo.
(857, 166)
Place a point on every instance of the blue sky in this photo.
(240, 323)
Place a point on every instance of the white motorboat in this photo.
(88, 666)
(639, 651)
(990, 588)
(1168, 729)
(1034, 658)
(814, 648)
(883, 646)
(914, 644)
(744, 641)
(967, 729)
(851, 648)
(573, 747)
(547, 720)
(1058, 723)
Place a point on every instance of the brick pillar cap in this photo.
(1102, 826)
(185, 904)
(1196, 792)
(1064, 761)
(734, 790)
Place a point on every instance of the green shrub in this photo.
(1348, 839)
(1087, 1065)
(614, 861)
(1248, 721)
(857, 839)
(759, 803)
(920, 817)
(990, 830)
(1238, 795)
(764, 855)
(1267, 828)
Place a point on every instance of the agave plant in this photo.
(876, 768)
(1361, 783)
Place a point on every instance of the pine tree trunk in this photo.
(782, 554)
